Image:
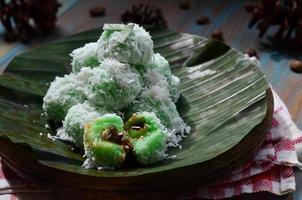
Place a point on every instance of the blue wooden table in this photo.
(228, 16)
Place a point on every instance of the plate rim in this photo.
(140, 182)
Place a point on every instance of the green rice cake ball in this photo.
(86, 56)
(151, 148)
(142, 123)
(82, 78)
(156, 99)
(161, 64)
(114, 85)
(148, 137)
(62, 94)
(126, 43)
(158, 71)
(103, 142)
(73, 126)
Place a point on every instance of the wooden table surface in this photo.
(228, 16)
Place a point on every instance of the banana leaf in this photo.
(223, 98)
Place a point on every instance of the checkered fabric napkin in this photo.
(270, 169)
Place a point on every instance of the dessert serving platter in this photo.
(225, 99)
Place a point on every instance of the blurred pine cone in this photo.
(144, 15)
(287, 14)
(16, 15)
(44, 14)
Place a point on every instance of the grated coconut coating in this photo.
(86, 56)
(159, 65)
(62, 94)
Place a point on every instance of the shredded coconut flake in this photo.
(172, 157)
(52, 137)
(200, 74)
(46, 126)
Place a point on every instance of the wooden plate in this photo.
(225, 99)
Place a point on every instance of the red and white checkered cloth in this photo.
(270, 169)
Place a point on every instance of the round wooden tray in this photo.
(170, 184)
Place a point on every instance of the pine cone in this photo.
(287, 14)
(44, 14)
(20, 12)
(144, 15)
